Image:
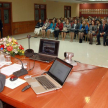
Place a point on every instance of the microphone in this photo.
(22, 71)
(29, 52)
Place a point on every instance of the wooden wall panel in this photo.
(98, 9)
(23, 27)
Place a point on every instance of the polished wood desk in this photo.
(85, 87)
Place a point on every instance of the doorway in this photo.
(40, 12)
(5, 16)
(67, 11)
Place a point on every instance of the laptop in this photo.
(54, 79)
(48, 51)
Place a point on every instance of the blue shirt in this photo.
(52, 26)
(86, 28)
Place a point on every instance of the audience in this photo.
(58, 28)
(51, 28)
(103, 29)
(66, 29)
(78, 25)
(45, 27)
(38, 28)
(92, 31)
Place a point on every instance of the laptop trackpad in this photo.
(35, 84)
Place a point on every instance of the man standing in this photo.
(103, 29)
(1, 28)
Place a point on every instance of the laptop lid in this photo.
(60, 70)
(49, 47)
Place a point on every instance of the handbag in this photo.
(2, 82)
(56, 28)
(64, 29)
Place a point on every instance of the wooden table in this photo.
(85, 87)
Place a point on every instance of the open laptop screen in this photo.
(49, 47)
(60, 70)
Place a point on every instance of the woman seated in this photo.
(83, 30)
(51, 28)
(38, 28)
(58, 29)
(74, 30)
(45, 27)
(92, 31)
(66, 28)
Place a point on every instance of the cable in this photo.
(86, 69)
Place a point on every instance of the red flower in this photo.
(16, 42)
(21, 47)
(1, 46)
(9, 48)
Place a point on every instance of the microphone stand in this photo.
(22, 71)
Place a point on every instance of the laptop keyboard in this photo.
(43, 58)
(45, 82)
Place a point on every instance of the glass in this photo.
(0, 14)
(42, 6)
(37, 6)
(36, 15)
(6, 16)
(7, 58)
(42, 14)
(6, 5)
(65, 13)
(68, 13)
(0, 5)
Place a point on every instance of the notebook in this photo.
(53, 80)
(48, 51)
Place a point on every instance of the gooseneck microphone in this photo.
(29, 52)
(22, 71)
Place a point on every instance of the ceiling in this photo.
(81, 1)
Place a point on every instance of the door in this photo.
(5, 16)
(67, 11)
(40, 12)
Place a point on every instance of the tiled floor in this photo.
(85, 53)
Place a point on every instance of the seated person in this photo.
(38, 27)
(45, 27)
(66, 29)
(83, 30)
(74, 30)
(64, 21)
(103, 29)
(92, 31)
(58, 29)
(51, 28)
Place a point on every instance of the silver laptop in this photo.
(48, 51)
(54, 78)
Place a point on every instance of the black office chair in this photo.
(1, 104)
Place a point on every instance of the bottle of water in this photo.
(2, 58)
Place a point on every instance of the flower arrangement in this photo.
(11, 46)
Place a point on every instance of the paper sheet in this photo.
(12, 68)
(5, 63)
(14, 84)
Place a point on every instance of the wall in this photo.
(98, 9)
(23, 10)
(23, 13)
